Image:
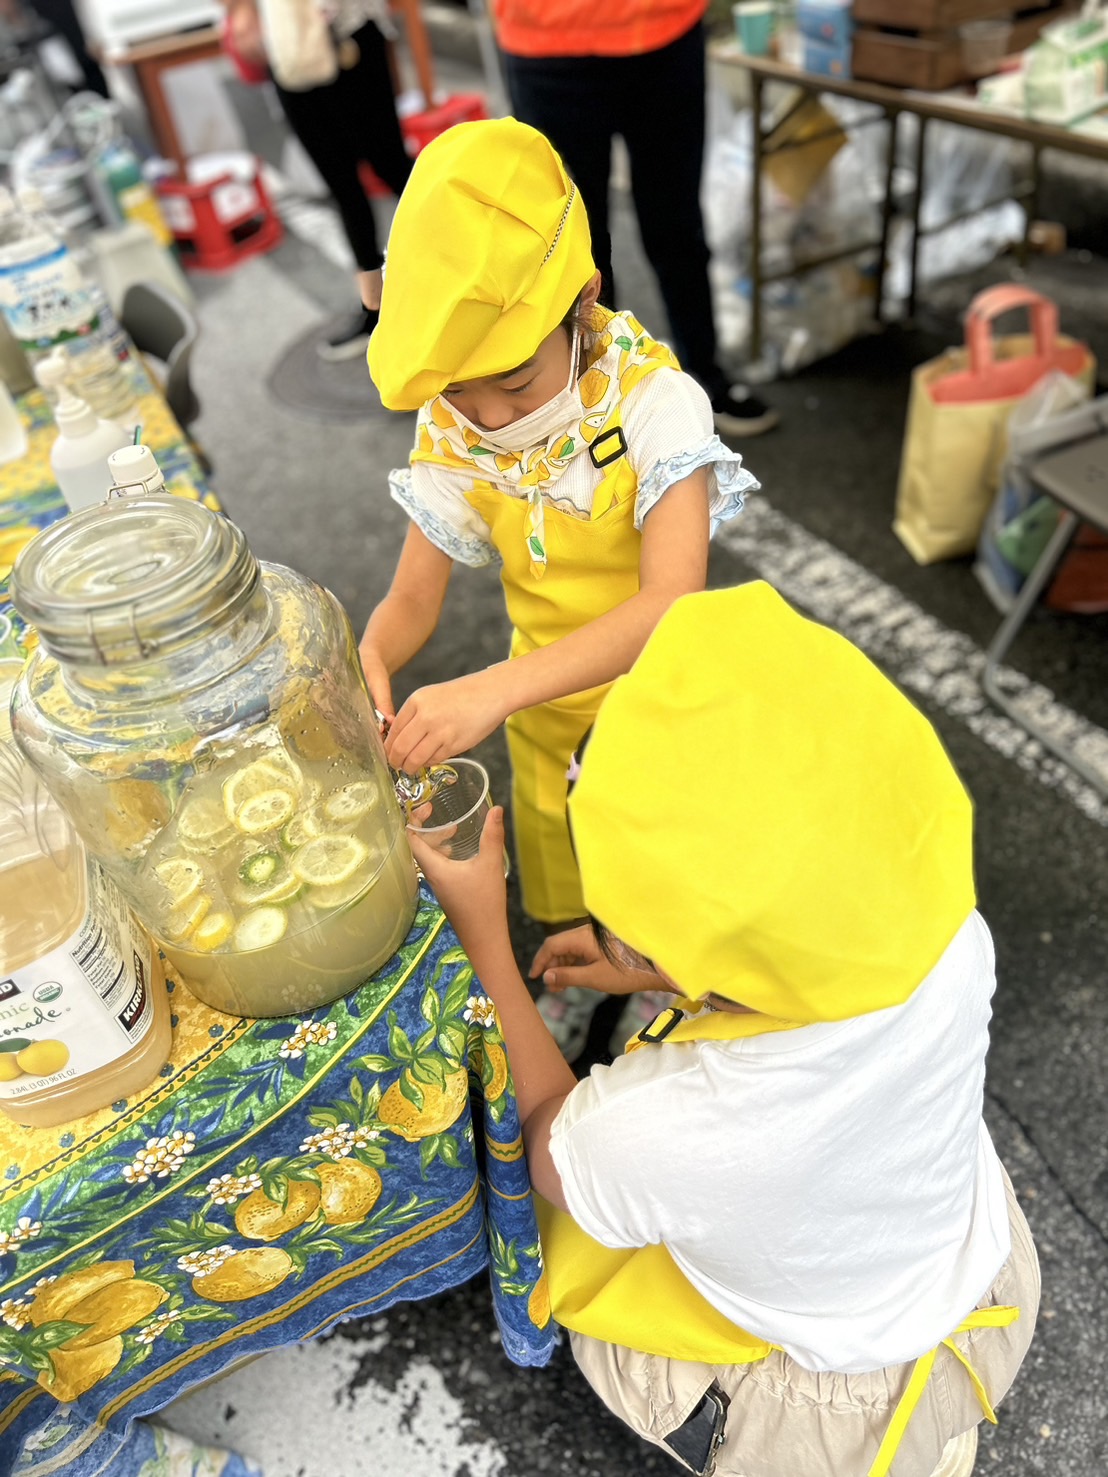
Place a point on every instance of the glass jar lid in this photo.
(131, 579)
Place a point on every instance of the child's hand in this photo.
(573, 957)
(377, 680)
(443, 721)
(472, 894)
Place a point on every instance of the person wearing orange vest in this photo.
(582, 72)
(776, 1227)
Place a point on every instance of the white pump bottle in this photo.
(79, 456)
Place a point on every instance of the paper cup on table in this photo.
(754, 25)
(457, 815)
(984, 45)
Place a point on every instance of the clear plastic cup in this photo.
(456, 819)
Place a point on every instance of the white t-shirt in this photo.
(667, 423)
(832, 1189)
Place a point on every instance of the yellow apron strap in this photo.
(998, 1317)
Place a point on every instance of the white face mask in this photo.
(535, 429)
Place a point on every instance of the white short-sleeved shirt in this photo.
(831, 1189)
(667, 423)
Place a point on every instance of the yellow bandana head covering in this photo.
(768, 818)
(488, 251)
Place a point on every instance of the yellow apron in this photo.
(639, 1298)
(592, 566)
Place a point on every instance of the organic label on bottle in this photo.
(82, 1005)
(44, 299)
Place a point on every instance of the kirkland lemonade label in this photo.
(82, 1005)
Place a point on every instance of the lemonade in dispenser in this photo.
(203, 719)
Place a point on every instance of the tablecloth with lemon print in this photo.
(278, 1177)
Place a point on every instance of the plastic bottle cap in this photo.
(133, 464)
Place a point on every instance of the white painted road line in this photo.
(927, 659)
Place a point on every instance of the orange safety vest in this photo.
(584, 28)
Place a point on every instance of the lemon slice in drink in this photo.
(304, 826)
(347, 806)
(267, 811)
(212, 932)
(283, 889)
(325, 898)
(181, 877)
(255, 779)
(185, 919)
(259, 928)
(202, 823)
(328, 860)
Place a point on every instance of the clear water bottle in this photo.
(47, 303)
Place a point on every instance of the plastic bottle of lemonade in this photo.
(84, 1015)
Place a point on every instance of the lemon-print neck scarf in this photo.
(621, 354)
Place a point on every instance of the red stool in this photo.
(420, 128)
(221, 221)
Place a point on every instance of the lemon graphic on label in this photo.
(9, 1067)
(43, 1058)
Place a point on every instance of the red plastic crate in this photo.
(420, 128)
(220, 222)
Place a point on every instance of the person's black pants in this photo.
(655, 101)
(63, 17)
(350, 120)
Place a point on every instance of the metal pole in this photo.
(490, 59)
(1031, 205)
(886, 220)
(917, 203)
(756, 219)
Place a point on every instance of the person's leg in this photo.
(324, 119)
(662, 122)
(62, 15)
(568, 99)
(372, 110)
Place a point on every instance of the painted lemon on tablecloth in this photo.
(348, 1191)
(538, 1304)
(260, 1218)
(54, 1302)
(244, 1275)
(113, 1308)
(76, 1372)
(441, 1106)
(494, 1055)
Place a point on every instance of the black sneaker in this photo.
(350, 338)
(739, 412)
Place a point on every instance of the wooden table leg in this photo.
(148, 75)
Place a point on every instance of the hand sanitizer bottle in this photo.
(79, 456)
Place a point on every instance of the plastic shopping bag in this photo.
(956, 435)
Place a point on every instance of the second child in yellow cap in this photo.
(776, 1228)
(553, 437)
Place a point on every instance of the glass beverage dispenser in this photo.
(203, 719)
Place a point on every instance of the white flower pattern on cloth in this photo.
(16, 1312)
(227, 1188)
(200, 1263)
(336, 1143)
(308, 1033)
(161, 1157)
(480, 1011)
(155, 1327)
(25, 1229)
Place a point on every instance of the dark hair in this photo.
(584, 320)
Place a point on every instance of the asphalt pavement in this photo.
(426, 1388)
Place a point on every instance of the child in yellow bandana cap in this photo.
(778, 1222)
(553, 436)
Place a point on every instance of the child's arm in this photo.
(451, 717)
(406, 618)
(472, 894)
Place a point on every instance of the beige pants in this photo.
(784, 1421)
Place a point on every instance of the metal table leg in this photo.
(886, 220)
(1033, 587)
(917, 203)
(756, 219)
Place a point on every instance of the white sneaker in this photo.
(958, 1456)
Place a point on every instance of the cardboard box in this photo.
(825, 59)
(1065, 74)
(829, 21)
